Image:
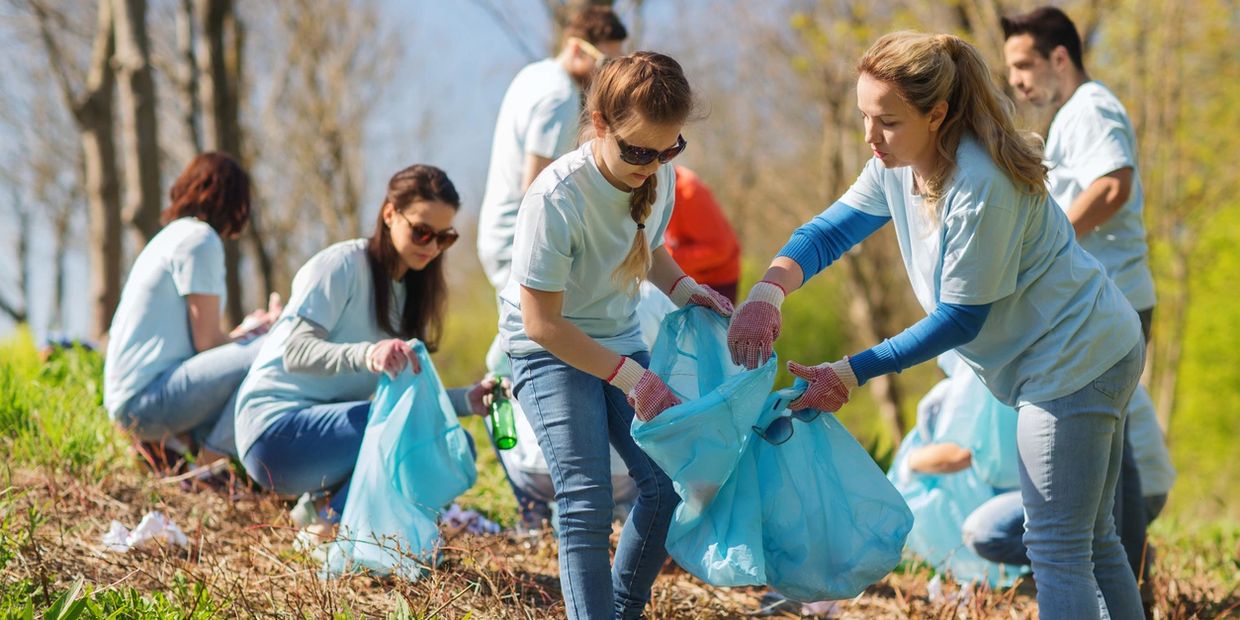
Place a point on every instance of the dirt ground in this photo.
(241, 551)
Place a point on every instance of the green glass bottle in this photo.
(503, 423)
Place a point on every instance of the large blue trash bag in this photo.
(415, 458)
(814, 518)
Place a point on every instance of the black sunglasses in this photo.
(780, 429)
(422, 234)
(641, 156)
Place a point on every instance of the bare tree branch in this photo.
(513, 30)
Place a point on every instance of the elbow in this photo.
(1119, 198)
(538, 330)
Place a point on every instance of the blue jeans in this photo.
(575, 415)
(311, 450)
(197, 396)
(1070, 451)
(994, 530)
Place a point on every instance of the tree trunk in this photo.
(187, 75)
(219, 69)
(11, 307)
(871, 308)
(92, 112)
(94, 118)
(139, 121)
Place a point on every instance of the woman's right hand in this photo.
(755, 325)
(390, 356)
(259, 321)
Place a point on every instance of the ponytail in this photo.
(629, 274)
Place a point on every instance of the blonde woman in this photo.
(994, 263)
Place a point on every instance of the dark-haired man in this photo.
(1091, 153)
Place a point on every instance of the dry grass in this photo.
(241, 553)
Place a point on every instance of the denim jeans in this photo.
(994, 530)
(312, 450)
(575, 415)
(1070, 451)
(197, 396)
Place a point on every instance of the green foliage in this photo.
(1206, 422)
(185, 600)
(51, 412)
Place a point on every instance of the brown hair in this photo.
(596, 24)
(213, 188)
(426, 291)
(1049, 27)
(927, 69)
(650, 87)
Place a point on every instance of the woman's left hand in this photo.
(688, 291)
(829, 385)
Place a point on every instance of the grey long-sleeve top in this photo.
(308, 351)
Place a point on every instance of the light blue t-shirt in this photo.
(539, 116)
(1091, 137)
(1056, 321)
(572, 231)
(150, 331)
(334, 289)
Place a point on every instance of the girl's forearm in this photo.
(567, 342)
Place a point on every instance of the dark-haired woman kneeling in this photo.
(302, 411)
(170, 371)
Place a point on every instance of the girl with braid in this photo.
(589, 230)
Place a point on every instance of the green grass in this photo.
(51, 413)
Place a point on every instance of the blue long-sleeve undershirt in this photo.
(949, 326)
(826, 238)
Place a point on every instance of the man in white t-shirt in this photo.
(1091, 153)
(538, 122)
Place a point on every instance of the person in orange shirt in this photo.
(699, 237)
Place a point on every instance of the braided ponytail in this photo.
(628, 275)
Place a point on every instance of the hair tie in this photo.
(641, 227)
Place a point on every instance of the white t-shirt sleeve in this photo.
(867, 194)
(542, 254)
(982, 240)
(553, 127)
(327, 291)
(1102, 145)
(197, 265)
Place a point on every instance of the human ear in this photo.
(600, 125)
(937, 115)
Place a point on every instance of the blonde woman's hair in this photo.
(649, 87)
(929, 68)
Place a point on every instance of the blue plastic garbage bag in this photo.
(973, 418)
(813, 518)
(415, 459)
(941, 502)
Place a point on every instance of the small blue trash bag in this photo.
(813, 518)
(962, 411)
(415, 458)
